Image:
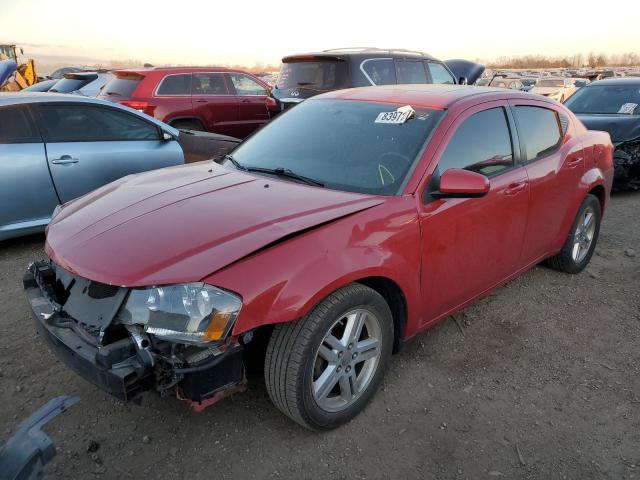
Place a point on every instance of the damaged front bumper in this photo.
(626, 161)
(127, 362)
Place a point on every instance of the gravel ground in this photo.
(539, 380)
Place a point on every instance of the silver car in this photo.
(54, 148)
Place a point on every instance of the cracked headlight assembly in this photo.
(187, 313)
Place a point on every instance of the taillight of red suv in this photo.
(141, 106)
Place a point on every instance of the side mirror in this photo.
(166, 136)
(463, 81)
(458, 183)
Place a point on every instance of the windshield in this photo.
(550, 83)
(341, 144)
(318, 75)
(606, 99)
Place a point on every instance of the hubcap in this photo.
(583, 236)
(346, 360)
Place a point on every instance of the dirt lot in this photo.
(544, 383)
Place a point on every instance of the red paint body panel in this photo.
(233, 115)
(285, 247)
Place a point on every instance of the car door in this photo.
(471, 244)
(89, 145)
(215, 104)
(27, 196)
(252, 100)
(554, 164)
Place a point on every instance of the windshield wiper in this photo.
(235, 163)
(285, 172)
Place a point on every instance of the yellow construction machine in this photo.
(25, 74)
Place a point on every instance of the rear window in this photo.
(319, 75)
(121, 87)
(68, 85)
(15, 126)
(178, 84)
(540, 129)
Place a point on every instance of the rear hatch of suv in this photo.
(121, 87)
(303, 76)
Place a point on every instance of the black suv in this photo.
(305, 75)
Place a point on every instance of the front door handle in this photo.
(246, 100)
(515, 188)
(64, 160)
(200, 101)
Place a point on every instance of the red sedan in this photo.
(340, 230)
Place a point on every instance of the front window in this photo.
(342, 145)
(439, 73)
(606, 99)
(316, 74)
(246, 86)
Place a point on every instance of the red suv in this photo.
(220, 100)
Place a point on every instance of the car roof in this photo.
(359, 52)
(22, 98)
(421, 95)
(146, 70)
(617, 81)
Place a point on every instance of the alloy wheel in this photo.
(346, 360)
(583, 237)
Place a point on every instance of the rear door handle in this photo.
(200, 101)
(64, 160)
(246, 100)
(515, 188)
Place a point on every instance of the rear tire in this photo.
(581, 242)
(195, 125)
(323, 369)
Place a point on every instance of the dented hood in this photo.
(181, 224)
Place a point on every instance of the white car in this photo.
(557, 88)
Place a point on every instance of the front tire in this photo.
(322, 370)
(581, 242)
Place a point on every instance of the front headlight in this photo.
(188, 313)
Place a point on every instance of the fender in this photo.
(591, 179)
(284, 283)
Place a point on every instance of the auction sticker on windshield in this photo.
(628, 108)
(401, 115)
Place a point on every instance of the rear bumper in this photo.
(114, 369)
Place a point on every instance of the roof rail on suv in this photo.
(375, 49)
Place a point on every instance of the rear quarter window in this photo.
(379, 71)
(539, 129)
(175, 84)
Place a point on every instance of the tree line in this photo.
(578, 60)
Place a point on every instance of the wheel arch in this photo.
(189, 118)
(395, 298)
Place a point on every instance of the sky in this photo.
(206, 32)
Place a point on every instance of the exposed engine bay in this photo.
(626, 160)
(80, 320)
